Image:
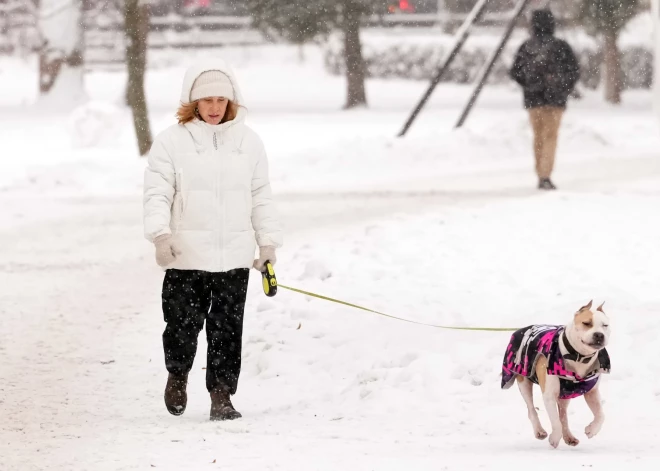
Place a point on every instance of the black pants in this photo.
(191, 297)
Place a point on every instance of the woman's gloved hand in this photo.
(266, 254)
(165, 252)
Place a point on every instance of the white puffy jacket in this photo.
(208, 186)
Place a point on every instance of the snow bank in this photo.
(442, 226)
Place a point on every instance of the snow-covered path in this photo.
(443, 226)
(83, 374)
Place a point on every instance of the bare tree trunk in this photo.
(61, 54)
(136, 18)
(613, 84)
(356, 95)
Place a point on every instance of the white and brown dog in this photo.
(566, 361)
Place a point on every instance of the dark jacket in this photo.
(545, 66)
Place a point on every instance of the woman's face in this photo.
(212, 109)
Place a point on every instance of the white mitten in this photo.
(165, 251)
(266, 254)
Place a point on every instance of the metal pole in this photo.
(460, 38)
(441, 13)
(655, 9)
(483, 76)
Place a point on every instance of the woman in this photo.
(206, 188)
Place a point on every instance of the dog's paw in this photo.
(554, 439)
(592, 429)
(540, 434)
(570, 440)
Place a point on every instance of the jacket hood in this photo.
(199, 68)
(200, 131)
(543, 23)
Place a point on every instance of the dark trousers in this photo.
(191, 297)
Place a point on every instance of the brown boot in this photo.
(176, 397)
(221, 406)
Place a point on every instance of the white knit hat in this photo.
(212, 83)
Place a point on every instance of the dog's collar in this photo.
(572, 354)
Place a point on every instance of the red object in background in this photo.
(198, 3)
(404, 7)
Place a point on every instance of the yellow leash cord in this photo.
(270, 286)
(314, 295)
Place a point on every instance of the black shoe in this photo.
(221, 406)
(546, 184)
(176, 396)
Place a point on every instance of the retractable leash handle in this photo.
(269, 280)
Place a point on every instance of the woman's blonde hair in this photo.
(188, 111)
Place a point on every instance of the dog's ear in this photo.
(600, 308)
(588, 306)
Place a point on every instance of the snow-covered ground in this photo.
(442, 226)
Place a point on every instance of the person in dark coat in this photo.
(547, 69)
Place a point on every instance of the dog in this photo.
(566, 362)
